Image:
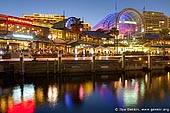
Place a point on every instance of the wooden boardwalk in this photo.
(82, 64)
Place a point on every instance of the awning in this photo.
(161, 46)
(41, 39)
(38, 39)
(75, 43)
(71, 42)
(97, 34)
(151, 36)
(100, 47)
(59, 41)
(59, 25)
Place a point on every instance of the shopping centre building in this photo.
(17, 33)
(36, 32)
(137, 31)
(128, 22)
(46, 31)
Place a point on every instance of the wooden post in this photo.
(149, 63)
(47, 67)
(93, 64)
(22, 64)
(59, 70)
(123, 61)
(55, 66)
(59, 63)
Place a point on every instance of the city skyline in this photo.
(91, 11)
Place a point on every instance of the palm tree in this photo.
(114, 31)
(77, 27)
(163, 33)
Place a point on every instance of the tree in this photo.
(77, 27)
(114, 31)
(164, 32)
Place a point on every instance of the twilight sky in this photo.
(91, 10)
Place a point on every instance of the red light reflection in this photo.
(23, 107)
(81, 93)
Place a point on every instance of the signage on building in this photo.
(19, 20)
(22, 36)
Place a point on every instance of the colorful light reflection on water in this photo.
(100, 96)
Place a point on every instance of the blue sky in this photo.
(91, 10)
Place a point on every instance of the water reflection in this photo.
(81, 93)
(39, 95)
(22, 100)
(128, 94)
(52, 95)
(88, 88)
(74, 94)
(100, 95)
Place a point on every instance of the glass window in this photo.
(3, 27)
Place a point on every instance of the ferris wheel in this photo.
(70, 21)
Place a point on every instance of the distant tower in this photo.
(116, 6)
(116, 12)
(83, 19)
(64, 13)
(144, 9)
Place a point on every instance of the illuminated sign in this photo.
(19, 20)
(23, 36)
(128, 22)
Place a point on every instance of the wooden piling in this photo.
(47, 67)
(59, 63)
(149, 63)
(123, 61)
(22, 64)
(55, 66)
(93, 64)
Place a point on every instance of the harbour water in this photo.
(133, 91)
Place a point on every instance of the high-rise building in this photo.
(86, 27)
(19, 33)
(45, 20)
(169, 22)
(155, 21)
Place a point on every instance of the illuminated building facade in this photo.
(128, 22)
(154, 22)
(46, 20)
(131, 22)
(18, 33)
(76, 34)
(134, 27)
(169, 22)
(86, 27)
